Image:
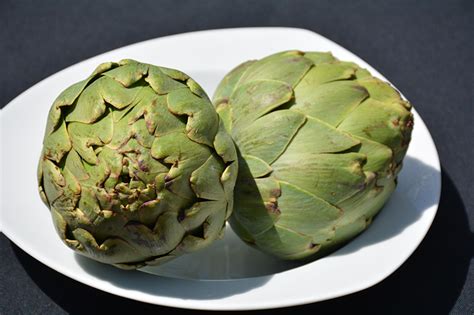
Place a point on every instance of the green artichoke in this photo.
(136, 165)
(320, 143)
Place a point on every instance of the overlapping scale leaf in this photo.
(267, 137)
(202, 120)
(388, 124)
(307, 214)
(227, 85)
(285, 243)
(330, 102)
(256, 203)
(254, 99)
(332, 177)
(288, 67)
(136, 166)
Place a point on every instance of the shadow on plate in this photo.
(164, 286)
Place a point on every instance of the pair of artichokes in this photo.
(298, 151)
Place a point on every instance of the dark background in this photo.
(424, 47)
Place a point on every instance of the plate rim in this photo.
(217, 305)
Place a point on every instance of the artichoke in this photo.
(320, 143)
(136, 165)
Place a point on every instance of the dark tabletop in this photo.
(424, 47)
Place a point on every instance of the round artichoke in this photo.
(320, 143)
(136, 166)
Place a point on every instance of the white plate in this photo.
(229, 275)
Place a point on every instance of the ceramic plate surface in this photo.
(229, 275)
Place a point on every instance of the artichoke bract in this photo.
(136, 165)
(320, 143)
